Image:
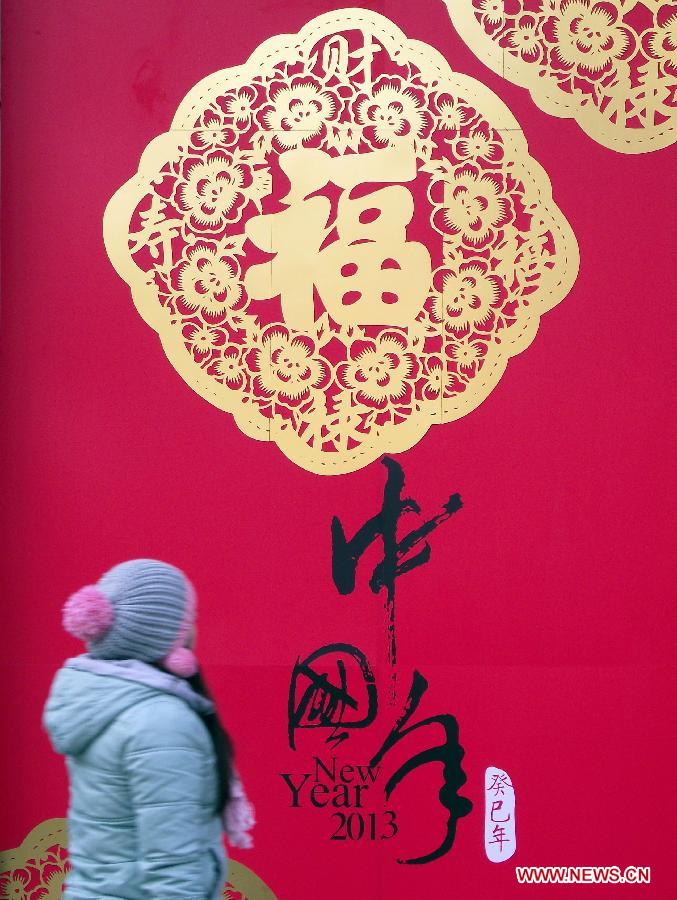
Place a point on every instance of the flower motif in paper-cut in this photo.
(479, 146)
(54, 879)
(660, 43)
(436, 378)
(392, 110)
(207, 279)
(585, 34)
(492, 11)
(14, 886)
(202, 339)
(213, 190)
(467, 354)
(36, 870)
(471, 205)
(299, 111)
(381, 371)
(228, 367)
(241, 106)
(468, 296)
(213, 133)
(448, 113)
(525, 38)
(324, 354)
(609, 64)
(287, 366)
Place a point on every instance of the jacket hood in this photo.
(87, 694)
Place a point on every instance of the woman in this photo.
(152, 782)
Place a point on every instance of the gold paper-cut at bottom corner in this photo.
(341, 242)
(38, 867)
(611, 65)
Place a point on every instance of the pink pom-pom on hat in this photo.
(181, 661)
(87, 614)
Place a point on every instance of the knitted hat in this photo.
(140, 609)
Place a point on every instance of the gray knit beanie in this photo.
(140, 609)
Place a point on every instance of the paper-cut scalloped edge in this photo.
(545, 94)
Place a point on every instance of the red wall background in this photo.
(542, 621)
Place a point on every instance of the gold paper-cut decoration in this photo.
(609, 64)
(37, 869)
(342, 241)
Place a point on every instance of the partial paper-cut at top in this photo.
(341, 242)
(609, 64)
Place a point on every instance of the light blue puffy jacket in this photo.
(142, 821)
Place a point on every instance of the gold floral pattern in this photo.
(212, 190)
(470, 204)
(208, 279)
(467, 295)
(380, 371)
(315, 339)
(37, 870)
(660, 43)
(393, 109)
(609, 64)
(287, 367)
(299, 112)
(586, 35)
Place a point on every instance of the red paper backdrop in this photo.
(543, 618)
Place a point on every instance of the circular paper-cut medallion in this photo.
(341, 242)
(609, 64)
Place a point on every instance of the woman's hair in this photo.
(223, 746)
